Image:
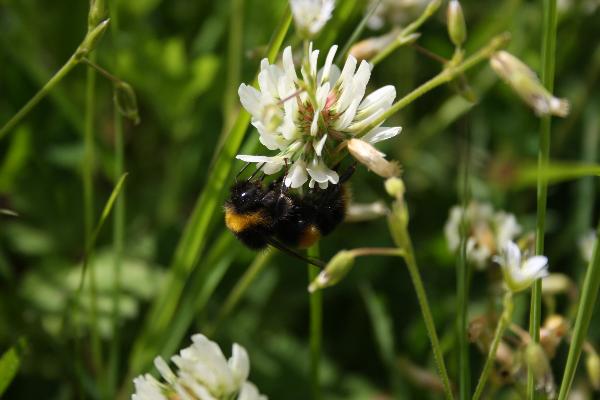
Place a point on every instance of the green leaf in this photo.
(9, 365)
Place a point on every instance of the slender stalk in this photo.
(398, 224)
(357, 31)
(445, 76)
(316, 328)
(53, 81)
(234, 62)
(118, 239)
(88, 207)
(547, 76)
(462, 285)
(589, 295)
(503, 323)
(240, 288)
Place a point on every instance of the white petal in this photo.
(250, 392)
(382, 133)
(288, 64)
(327, 66)
(321, 173)
(361, 78)
(260, 159)
(318, 146)
(250, 99)
(239, 364)
(164, 370)
(347, 117)
(535, 267)
(512, 254)
(381, 98)
(296, 176)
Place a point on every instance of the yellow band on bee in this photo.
(239, 222)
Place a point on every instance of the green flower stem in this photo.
(547, 76)
(316, 327)
(88, 45)
(405, 33)
(398, 227)
(503, 323)
(462, 286)
(445, 76)
(589, 295)
(88, 207)
(57, 77)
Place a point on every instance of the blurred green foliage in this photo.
(174, 54)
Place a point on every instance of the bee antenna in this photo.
(241, 171)
(257, 171)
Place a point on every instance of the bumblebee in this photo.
(260, 216)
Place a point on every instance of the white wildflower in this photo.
(203, 374)
(305, 118)
(519, 273)
(310, 16)
(487, 231)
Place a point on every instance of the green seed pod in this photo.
(334, 271)
(126, 101)
(91, 39)
(457, 28)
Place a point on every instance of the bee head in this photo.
(246, 196)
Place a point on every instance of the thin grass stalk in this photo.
(118, 241)
(88, 207)
(240, 288)
(503, 323)
(585, 310)
(316, 328)
(462, 283)
(53, 81)
(234, 62)
(547, 76)
(193, 240)
(356, 33)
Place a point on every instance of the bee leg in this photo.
(347, 174)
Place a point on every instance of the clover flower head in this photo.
(203, 374)
(305, 117)
(519, 272)
(310, 16)
(488, 231)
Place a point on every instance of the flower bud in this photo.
(527, 85)
(457, 28)
(334, 271)
(91, 39)
(592, 365)
(395, 187)
(372, 158)
(126, 101)
(555, 284)
(310, 16)
(537, 361)
(370, 47)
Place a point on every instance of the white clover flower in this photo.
(310, 16)
(305, 118)
(586, 245)
(519, 274)
(488, 231)
(395, 12)
(203, 374)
